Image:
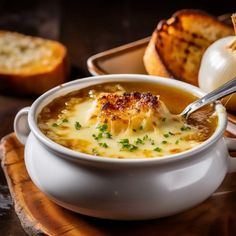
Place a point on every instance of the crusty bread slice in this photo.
(177, 45)
(31, 65)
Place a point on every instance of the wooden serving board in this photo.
(38, 215)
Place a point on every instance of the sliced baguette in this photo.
(177, 45)
(31, 65)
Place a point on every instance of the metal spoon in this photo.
(224, 90)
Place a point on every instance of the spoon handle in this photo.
(226, 89)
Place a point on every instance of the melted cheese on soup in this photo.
(120, 124)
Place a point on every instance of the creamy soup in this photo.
(126, 120)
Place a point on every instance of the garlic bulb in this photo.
(218, 66)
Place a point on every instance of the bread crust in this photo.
(177, 44)
(35, 82)
(152, 61)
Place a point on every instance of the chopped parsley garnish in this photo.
(95, 152)
(177, 141)
(170, 133)
(164, 142)
(126, 146)
(132, 148)
(124, 141)
(108, 135)
(146, 138)
(60, 123)
(103, 145)
(103, 132)
(102, 127)
(166, 135)
(77, 125)
(185, 128)
(102, 135)
(139, 141)
(97, 137)
(163, 119)
(157, 149)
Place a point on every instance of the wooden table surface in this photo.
(86, 28)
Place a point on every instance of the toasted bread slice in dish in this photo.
(177, 44)
(31, 65)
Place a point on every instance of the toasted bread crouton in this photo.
(177, 45)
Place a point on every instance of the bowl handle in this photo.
(231, 144)
(21, 125)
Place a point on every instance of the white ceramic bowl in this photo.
(124, 189)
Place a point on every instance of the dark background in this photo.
(86, 28)
(89, 27)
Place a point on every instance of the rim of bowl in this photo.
(93, 80)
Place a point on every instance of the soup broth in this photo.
(126, 120)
